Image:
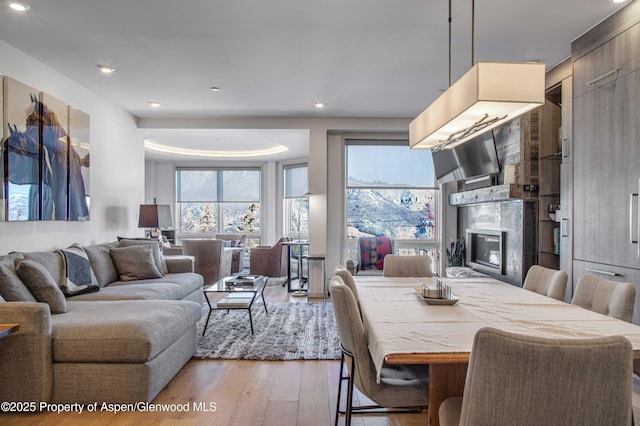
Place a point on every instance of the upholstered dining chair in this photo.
(212, 261)
(399, 387)
(611, 298)
(525, 380)
(347, 279)
(545, 281)
(407, 266)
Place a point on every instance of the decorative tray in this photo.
(451, 300)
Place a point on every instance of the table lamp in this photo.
(154, 216)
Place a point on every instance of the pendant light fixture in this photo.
(488, 95)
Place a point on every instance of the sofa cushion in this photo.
(102, 263)
(41, 284)
(12, 288)
(52, 262)
(155, 250)
(187, 282)
(79, 277)
(135, 262)
(125, 331)
(150, 291)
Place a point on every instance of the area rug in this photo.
(291, 331)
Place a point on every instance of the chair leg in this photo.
(347, 418)
(340, 378)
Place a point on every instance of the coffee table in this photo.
(243, 290)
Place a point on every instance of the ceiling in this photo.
(363, 58)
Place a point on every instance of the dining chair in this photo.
(525, 380)
(407, 266)
(400, 386)
(347, 279)
(606, 297)
(545, 281)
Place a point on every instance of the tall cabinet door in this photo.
(566, 186)
(606, 170)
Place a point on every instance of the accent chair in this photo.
(270, 261)
(212, 261)
(370, 255)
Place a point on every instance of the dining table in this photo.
(402, 328)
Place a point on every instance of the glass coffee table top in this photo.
(237, 283)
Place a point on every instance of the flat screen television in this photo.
(474, 158)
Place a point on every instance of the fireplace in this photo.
(485, 250)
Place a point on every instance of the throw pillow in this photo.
(77, 272)
(102, 263)
(52, 262)
(12, 289)
(155, 247)
(135, 262)
(41, 284)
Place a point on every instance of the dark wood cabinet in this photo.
(606, 150)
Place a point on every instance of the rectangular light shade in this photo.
(155, 216)
(495, 89)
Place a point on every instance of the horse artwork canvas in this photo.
(43, 173)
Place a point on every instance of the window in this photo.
(211, 201)
(296, 202)
(391, 190)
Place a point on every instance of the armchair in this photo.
(269, 261)
(236, 241)
(370, 254)
(212, 261)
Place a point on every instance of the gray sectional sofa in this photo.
(120, 344)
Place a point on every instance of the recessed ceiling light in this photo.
(319, 105)
(619, 1)
(215, 89)
(106, 69)
(17, 5)
(154, 104)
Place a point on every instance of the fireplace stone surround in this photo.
(510, 220)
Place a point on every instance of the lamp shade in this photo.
(154, 216)
(487, 96)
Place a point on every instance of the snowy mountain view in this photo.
(396, 213)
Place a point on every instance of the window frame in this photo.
(400, 245)
(219, 203)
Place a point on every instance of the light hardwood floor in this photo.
(270, 393)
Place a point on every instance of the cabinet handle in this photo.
(607, 273)
(603, 76)
(631, 240)
(563, 227)
(565, 152)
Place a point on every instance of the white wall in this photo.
(117, 165)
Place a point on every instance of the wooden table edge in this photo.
(434, 358)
